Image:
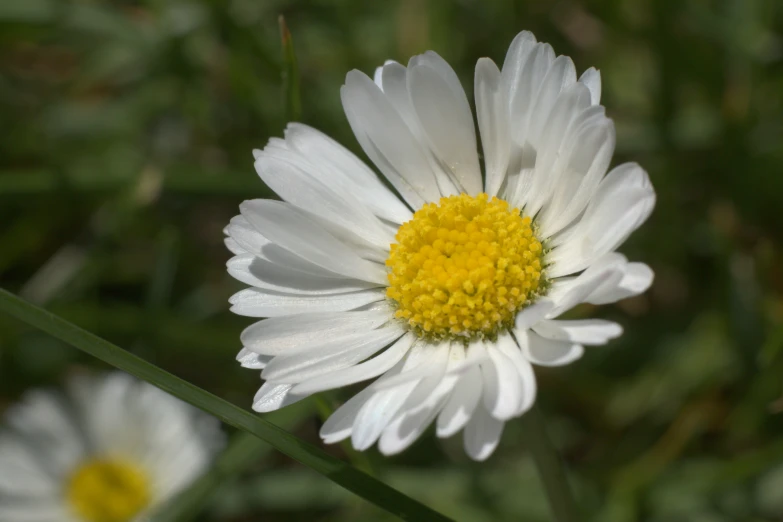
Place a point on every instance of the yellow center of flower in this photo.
(108, 490)
(463, 267)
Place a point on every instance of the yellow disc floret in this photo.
(108, 490)
(463, 267)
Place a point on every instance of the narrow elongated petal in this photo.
(279, 335)
(482, 435)
(444, 114)
(255, 302)
(346, 172)
(547, 352)
(361, 372)
(387, 140)
(493, 122)
(304, 237)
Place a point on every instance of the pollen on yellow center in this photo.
(108, 490)
(463, 267)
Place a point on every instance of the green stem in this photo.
(550, 468)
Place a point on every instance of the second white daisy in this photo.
(112, 450)
(449, 293)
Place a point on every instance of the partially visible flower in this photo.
(450, 291)
(111, 449)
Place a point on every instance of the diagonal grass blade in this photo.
(342, 473)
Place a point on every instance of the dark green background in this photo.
(125, 148)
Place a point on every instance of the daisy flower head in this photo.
(446, 289)
(111, 449)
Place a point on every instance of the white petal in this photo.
(253, 242)
(606, 271)
(361, 372)
(502, 385)
(264, 274)
(252, 360)
(376, 414)
(546, 352)
(560, 76)
(434, 359)
(387, 140)
(255, 302)
(245, 236)
(493, 122)
(533, 191)
(444, 114)
(49, 509)
(25, 472)
(636, 279)
(462, 403)
(583, 331)
(234, 247)
(43, 420)
(588, 157)
(533, 313)
(509, 347)
(406, 428)
(289, 228)
(345, 352)
(280, 335)
(515, 60)
(475, 355)
(592, 79)
(525, 87)
(340, 423)
(482, 435)
(401, 433)
(346, 172)
(272, 396)
(302, 184)
(387, 402)
(395, 87)
(624, 200)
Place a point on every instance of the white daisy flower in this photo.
(110, 450)
(448, 292)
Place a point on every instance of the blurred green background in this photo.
(125, 148)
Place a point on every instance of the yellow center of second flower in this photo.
(464, 267)
(108, 490)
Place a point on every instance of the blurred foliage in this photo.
(128, 131)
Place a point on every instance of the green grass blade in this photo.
(291, 94)
(367, 487)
